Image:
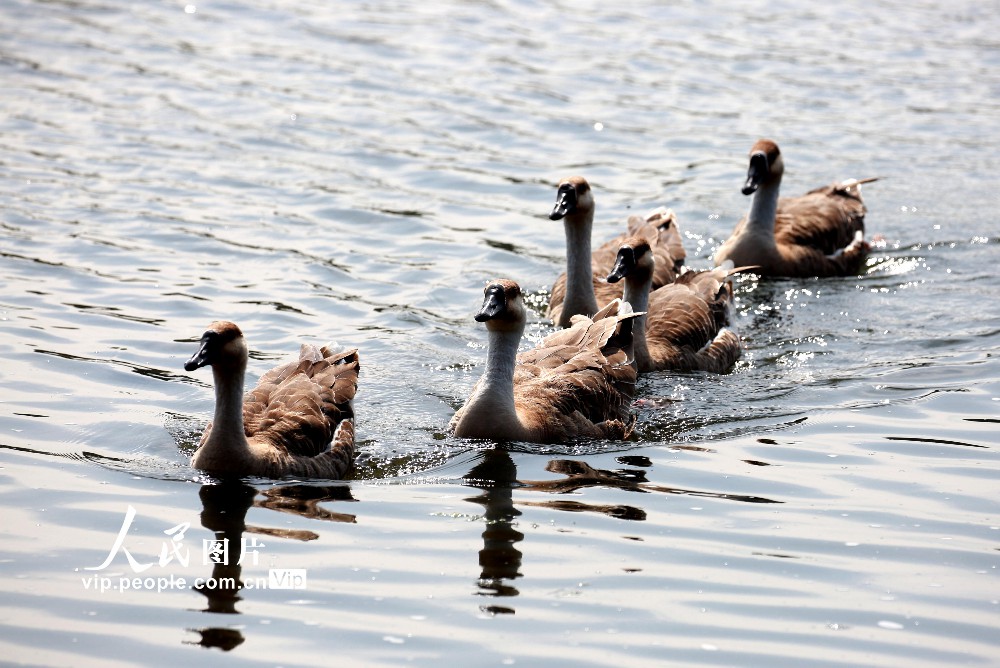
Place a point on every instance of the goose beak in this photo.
(624, 264)
(200, 358)
(565, 202)
(494, 304)
(756, 173)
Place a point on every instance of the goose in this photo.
(298, 421)
(578, 382)
(684, 324)
(582, 290)
(820, 233)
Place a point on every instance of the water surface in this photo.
(355, 173)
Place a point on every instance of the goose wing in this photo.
(678, 314)
(685, 326)
(298, 407)
(826, 218)
(578, 398)
(578, 381)
(585, 332)
(715, 288)
(800, 260)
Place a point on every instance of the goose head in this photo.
(573, 197)
(222, 346)
(634, 259)
(503, 307)
(766, 166)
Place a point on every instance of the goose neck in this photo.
(764, 209)
(580, 297)
(498, 378)
(491, 411)
(636, 293)
(228, 422)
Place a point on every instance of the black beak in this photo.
(756, 173)
(565, 202)
(494, 304)
(202, 357)
(624, 264)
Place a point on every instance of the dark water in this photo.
(354, 172)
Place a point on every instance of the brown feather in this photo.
(577, 382)
(297, 421)
(819, 233)
(826, 219)
(683, 328)
(298, 411)
(577, 373)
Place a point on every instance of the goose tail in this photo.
(854, 185)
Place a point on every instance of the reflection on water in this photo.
(580, 474)
(305, 501)
(496, 474)
(225, 507)
(499, 559)
(356, 174)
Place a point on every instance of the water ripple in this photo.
(356, 175)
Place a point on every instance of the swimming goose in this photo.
(685, 325)
(581, 290)
(298, 421)
(820, 233)
(576, 382)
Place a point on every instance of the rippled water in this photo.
(354, 172)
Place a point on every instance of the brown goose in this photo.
(577, 382)
(582, 289)
(298, 421)
(685, 325)
(820, 233)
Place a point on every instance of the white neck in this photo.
(490, 411)
(580, 296)
(227, 437)
(636, 293)
(763, 209)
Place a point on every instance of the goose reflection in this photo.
(499, 559)
(496, 475)
(581, 474)
(224, 510)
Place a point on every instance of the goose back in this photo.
(579, 381)
(684, 328)
(826, 218)
(298, 406)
